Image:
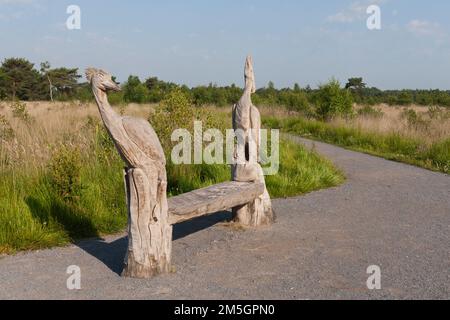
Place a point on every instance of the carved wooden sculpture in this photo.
(247, 125)
(150, 234)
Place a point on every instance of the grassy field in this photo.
(414, 135)
(61, 178)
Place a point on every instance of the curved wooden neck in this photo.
(106, 111)
(248, 90)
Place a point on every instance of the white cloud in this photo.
(356, 11)
(424, 28)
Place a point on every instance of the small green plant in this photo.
(415, 121)
(19, 110)
(65, 171)
(6, 131)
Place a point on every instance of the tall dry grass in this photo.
(50, 125)
(431, 125)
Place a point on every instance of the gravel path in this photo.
(387, 214)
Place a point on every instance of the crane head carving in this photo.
(249, 74)
(101, 79)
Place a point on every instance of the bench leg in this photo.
(259, 212)
(150, 235)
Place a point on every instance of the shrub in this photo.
(176, 111)
(19, 110)
(415, 121)
(65, 171)
(331, 101)
(294, 100)
(116, 99)
(135, 91)
(405, 98)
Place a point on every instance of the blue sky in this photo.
(200, 41)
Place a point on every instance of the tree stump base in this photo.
(149, 232)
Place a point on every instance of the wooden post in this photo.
(247, 126)
(149, 232)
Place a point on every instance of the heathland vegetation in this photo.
(61, 179)
(413, 135)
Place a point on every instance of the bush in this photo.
(176, 111)
(135, 91)
(116, 98)
(331, 101)
(294, 101)
(65, 171)
(415, 121)
(405, 98)
(19, 110)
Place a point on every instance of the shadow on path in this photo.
(112, 254)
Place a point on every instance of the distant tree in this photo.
(405, 98)
(45, 67)
(297, 87)
(135, 91)
(152, 83)
(355, 83)
(2, 84)
(158, 89)
(20, 79)
(62, 80)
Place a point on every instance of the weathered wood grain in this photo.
(247, 122)
(150, 219)
(149, 233)
(212, 199)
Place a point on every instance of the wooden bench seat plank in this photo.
(213, 199)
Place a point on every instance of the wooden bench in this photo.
(213, 199)
(151, 215)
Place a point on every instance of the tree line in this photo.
(22, 80)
